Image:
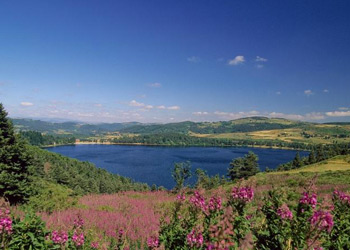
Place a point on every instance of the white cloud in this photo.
(308, 92)
(253, 112)
(26, 104)
(85, 115)
(260, 59)
(193, 59)
(155, 85)
(147, 107)
(314, 116)
(228, 115)
(308, 116)
(343, 108)
(338, 113)
(200, 113)
(174, 108)
(134, 103)
(236, 61)
(286, 116)
(325, 91)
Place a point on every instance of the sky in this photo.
(170, 61)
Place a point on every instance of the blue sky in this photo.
(169, 61)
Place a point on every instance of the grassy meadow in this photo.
(139, 213)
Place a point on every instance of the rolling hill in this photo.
(261, 130)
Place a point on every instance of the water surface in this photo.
(152, 164)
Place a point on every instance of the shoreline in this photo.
(162, 145)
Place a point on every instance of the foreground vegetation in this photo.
(289, 211)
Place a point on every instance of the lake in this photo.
(153, 165)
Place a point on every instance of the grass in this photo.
(338, 163)
(319, 134)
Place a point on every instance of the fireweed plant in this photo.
(237, 220)
(234, 223)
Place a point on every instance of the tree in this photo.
(312, 157)
(244, 167)
(320, 154)
(181, 172)
(297, 163)
(14, 163)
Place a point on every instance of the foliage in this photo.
(317, 154)
(339, 236)
(28, 233)
(240, 125)
(208, 182)
(200, 223)
(38, 139)
(244, 167)
(49, 197)
(81, 177)
(181, 173)
(71, 128)
(14, 163)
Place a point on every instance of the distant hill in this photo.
(74, 128)
(261, 130)
(240, 125)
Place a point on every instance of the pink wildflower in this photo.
(78, 239)
(342, 196)
(5, 222)
(59, 237)
(152, 242)
(215, 203)
(323, 220)
(195, 239)
(6, 225)
(181, 197)
(94, 245)
(198, 201)
(79, 222)
(284, 212)
(309, 199)
(249, 216)
(243, 194)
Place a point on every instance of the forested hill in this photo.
(73, 128)
(240, 125)
(262, 131)
(81, 177)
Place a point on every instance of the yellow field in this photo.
(285, 135)
(338, 163)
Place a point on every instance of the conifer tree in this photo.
(312, 157)
(14, 163)
(244, 167)
(297, 163)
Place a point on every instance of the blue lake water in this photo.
(152, 164)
